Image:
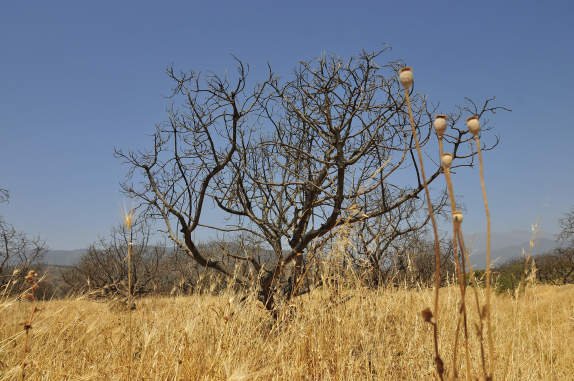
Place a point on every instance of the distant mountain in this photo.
(507, 245)
(63, 257)
(72, 257)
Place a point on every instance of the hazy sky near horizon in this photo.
(80, 78)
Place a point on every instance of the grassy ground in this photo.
(372, 336)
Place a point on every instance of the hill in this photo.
(507, 245)
(63, 257)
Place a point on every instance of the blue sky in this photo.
(78, 79)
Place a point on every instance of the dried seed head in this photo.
(440, 124)
(473, 124)
(457, 216)
(446, 160)
(406, 77)
(484, 312)
(427, 315)
(439, 365)
(128, 219)
(31, 277)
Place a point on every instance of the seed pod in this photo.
(446, 160)
(457, 216)
(31, 277)
(473, 124)
(440, 124)
(427, 315)
(406, 77)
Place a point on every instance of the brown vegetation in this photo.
(375, 335)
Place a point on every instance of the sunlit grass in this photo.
(374, 335)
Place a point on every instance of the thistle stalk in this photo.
(446, 160)
(128, 220)
(473, 125)
(480, 327)
(406, 79)
(30, 295)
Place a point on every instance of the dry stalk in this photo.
(30, 295)
(474, 127)
(459, 263)
(480, 311)
(9, 286)
(406, 79)
(128, 220)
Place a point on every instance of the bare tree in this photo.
(4, 195)
(190, 150)
(567, 226)
(335, 150)
(556, 267)
(380, 240)
(104, 268)
(290, 161)
(17, 252)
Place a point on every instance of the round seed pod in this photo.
(406, 77)
(446, 160)
(440, 124)
(473, 124)
(457, 216)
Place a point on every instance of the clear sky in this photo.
(80, 78)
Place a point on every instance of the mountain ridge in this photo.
(505, 246)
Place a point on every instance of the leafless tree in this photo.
(4, 195)
(567, 226)
(335, 149)
(379, 241)
(556, 267)
(290, 160)
(104, 267)
(18, 252)
(189, 151)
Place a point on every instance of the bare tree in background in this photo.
(567, 226)
(291, 160)
(104, 268)
(18, 252)
(4, 195)
(379, 241)
(556, 267)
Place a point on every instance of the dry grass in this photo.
(372, 336)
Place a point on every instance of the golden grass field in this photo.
(372, 336)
